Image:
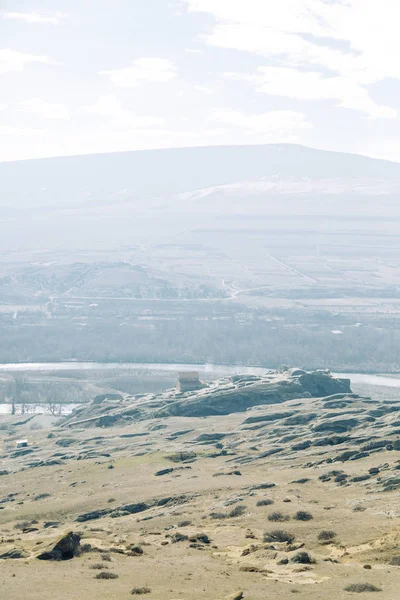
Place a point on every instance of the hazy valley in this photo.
(251, 255)
(253, 483)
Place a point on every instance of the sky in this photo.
(90, 76)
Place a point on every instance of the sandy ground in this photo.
(364, 519)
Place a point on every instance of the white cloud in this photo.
(46, 110)
(356, 40)
(310, 85)
(110, 107)
(12, 60)
(279, 124)
(204, 89)
(18, 131)
(143, 70)
(35, 17)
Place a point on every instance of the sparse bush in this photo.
(278, 517)
(303, 515)
(106, 575)
(84, 549)
(237, 511)
(395, 561)
(106, 557)
(302, 558)
(218, 515)
(326, 535)
(279, 535)
(35, 427)
(182, 457)
(42, 496)
(141, 590)
(98, 566)
(359, 508)
(263, 486)
(265, 502)
(359, 588)
(359, 478)
(25, 524)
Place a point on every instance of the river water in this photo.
(206, 369)
(94, 366)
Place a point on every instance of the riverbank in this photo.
(71, 384)
(72, 365)
(207, 369)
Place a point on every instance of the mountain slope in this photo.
(80, 179)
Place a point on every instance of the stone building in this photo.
(188, 381)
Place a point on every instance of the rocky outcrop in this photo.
(338, 425)
(228, 398)
(320, 384)
(225, 396)
(13, 553)
(64, 549)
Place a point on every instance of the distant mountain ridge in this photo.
(151, 173)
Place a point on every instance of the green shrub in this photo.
(279, 535)
(106, 575)
(278, 517)
(303, 515)
(359, 588)
(302, 558)
(326, 535)
(265, 502)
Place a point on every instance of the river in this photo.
(93, 366)
(206, 369)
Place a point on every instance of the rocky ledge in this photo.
(222, 397)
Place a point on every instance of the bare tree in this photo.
(54, 408)
(19, 394)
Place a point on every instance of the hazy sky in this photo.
(86, 76)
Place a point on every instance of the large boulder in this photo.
(321, 383)
(64, 549)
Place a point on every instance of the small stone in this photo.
(235, 596)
